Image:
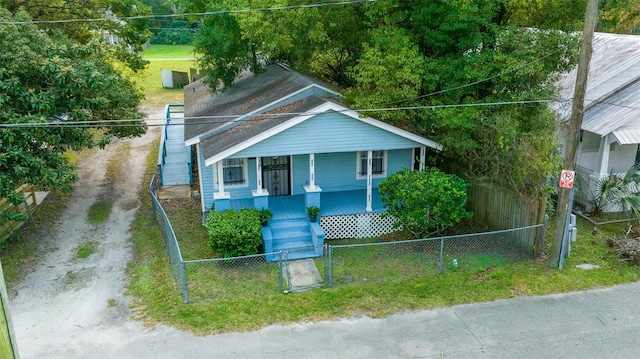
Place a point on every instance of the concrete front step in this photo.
(294, 237)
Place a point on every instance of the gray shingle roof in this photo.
(256, 125)
(248, 94)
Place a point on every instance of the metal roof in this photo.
(612, 98)
(615, 63)
(620, 109)
(627, 135)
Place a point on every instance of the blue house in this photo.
(283, 141)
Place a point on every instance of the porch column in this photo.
(221, 198)
(312, 171)
(260, 195)
(258, 174)
(369, 208)
(312, 192)
(423, 157)
(602, 165)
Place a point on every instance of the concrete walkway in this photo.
(595, 324)
(302, 274)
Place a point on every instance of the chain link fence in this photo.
(300, 276)
(239, 277)
(394, 261)
(170, 240)
(374, 263)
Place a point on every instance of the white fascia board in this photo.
(385, 126)
(257, 139)
(327, 106)
(193, 141)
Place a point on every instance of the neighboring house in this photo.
(283, 141)
(611, 123)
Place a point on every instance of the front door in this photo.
(275, 175)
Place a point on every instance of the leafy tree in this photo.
(46, 82)
(424, 202)
(234, 233)
(548, 14)
(133, 33)
(227, 52)
(168, 30)
(620, 16)
(321, 41)
(419, 55)
(616, 16)
(173, 33)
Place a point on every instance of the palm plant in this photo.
(617, 190)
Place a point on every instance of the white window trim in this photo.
(245, 174)
(385, 156)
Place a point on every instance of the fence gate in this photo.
(302, 274)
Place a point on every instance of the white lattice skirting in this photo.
(361, 225)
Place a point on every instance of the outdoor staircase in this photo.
(174, 157)
(296, 237)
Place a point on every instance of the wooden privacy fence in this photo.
(27, 206)
(501, 208)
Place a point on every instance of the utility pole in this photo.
(575, 122)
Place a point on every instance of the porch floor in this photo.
(331, 204)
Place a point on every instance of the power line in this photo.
(173, 28)
(200, 120)
(472, 83)
(218, 12)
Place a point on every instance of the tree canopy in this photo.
(616, 16)
(470, 74)
(132, 33)
(56, 94)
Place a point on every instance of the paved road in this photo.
(595, 324)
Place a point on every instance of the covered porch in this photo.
(331, 204)
(602, 155)
(343, 215)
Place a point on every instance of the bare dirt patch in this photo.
(66, 305)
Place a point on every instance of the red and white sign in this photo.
(566, 178)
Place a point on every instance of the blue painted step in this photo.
(293, 236)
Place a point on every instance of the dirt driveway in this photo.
(67, 305)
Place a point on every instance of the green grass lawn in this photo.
(167, 51)
(151, 81)
(234, 302)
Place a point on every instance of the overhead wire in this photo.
(472, 83)
(199, 120)
(195, 14)
(114, 123)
